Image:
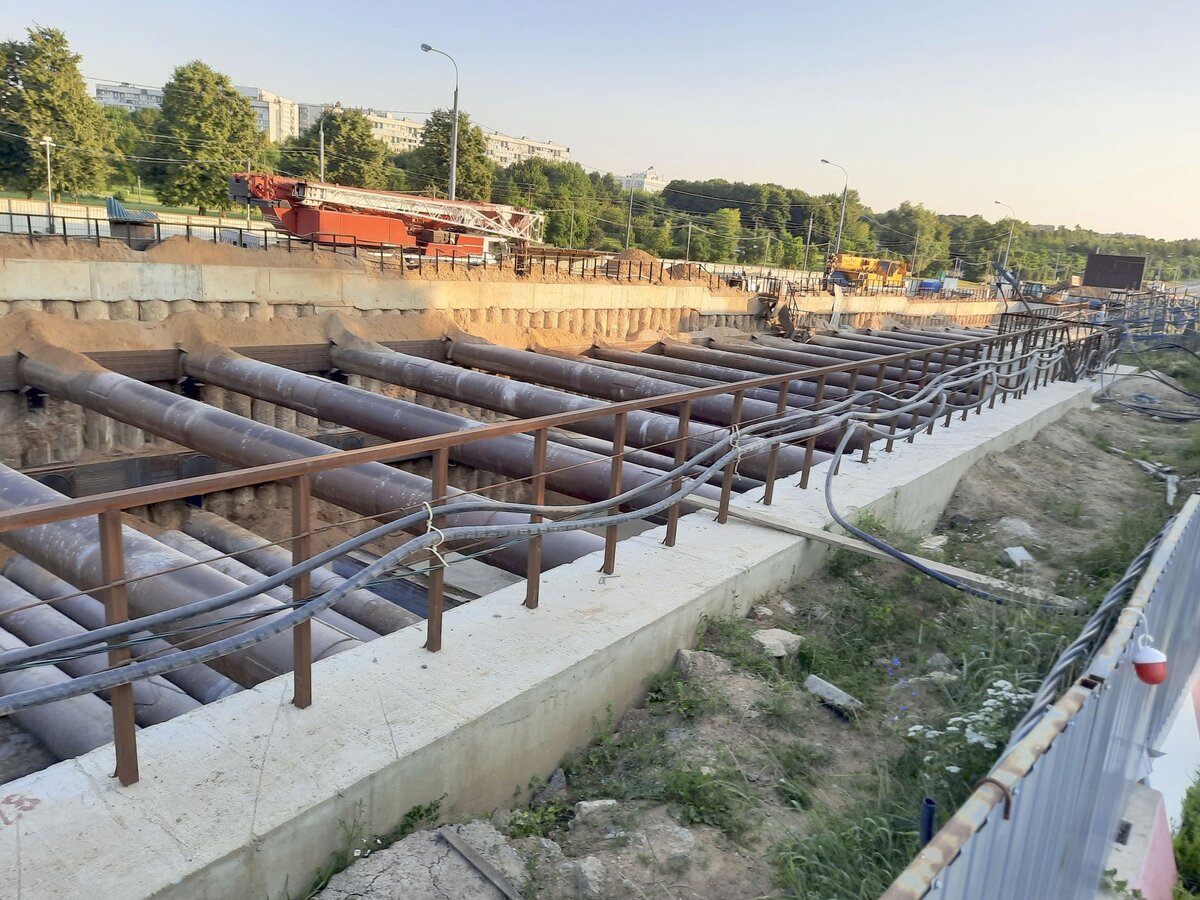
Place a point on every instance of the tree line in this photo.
(205, 130)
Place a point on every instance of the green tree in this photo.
(42, 93)
(353, 155)
(431, 159)
(213, 126)
(727, 228)
(911, 226)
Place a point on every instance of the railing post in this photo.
(533, 566)
(899, 400)
(773, 453)
(301, 588)
(810, 446)
(867, 436)
(116, 610)
(437, 578)
(610, 533)
(681, 448)
(731, 466)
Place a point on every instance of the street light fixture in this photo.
(837, 247)
(454, 125)
(1012, 221)
(48, 143)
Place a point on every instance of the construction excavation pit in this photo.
(210, 525)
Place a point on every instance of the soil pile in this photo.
(14, 246)
(202, 252)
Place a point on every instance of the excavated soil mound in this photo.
(635, 255)
(197, 252)
(14, 246)
(687, 271)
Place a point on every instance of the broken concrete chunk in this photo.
(831, 695)
(778, 643)
(1016, 557)
(937, 663)
(934, 542)
(694, 664)
(1019, 529)
(587, 808)
(789, 608)
(761, 612)
(555, 786)
(589, 877)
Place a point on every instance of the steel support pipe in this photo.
(894, 373)
(802, 394)
(644, 458)
(578, 376)
(238, 570)
(72, 547)
(363, 606)
(200, 681)
(67, 728)
(33, 622)
(572, 472)
(868, 373)
(372, 489)
(682, 371)
(652, 431)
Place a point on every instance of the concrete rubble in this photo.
(423, 866)
(778, 643)
(831, 695)
(1015, 557)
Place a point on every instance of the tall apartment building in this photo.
(128, 96)
(398, 133)
(281, 118)
(504, 149)
(644, 181)
(277, 116)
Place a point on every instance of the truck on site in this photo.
(860, 272)
(334, 216)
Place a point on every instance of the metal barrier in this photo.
(533, 263)
(1044, 820)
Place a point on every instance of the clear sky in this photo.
(1071, 111)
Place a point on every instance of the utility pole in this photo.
(248, 199)
(48, 143)
(321, 144)
(629, 220)
(571, 241)
(808, 242)
(139, 188)
(916, 244)
(687, 253)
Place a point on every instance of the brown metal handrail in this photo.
(298, 474)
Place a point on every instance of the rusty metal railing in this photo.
(918, 366)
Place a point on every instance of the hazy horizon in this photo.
(1068, 113)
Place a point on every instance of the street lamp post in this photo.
(454, 124)
(837, 247)
(321, 134)
(1012, 221)
(48, 143)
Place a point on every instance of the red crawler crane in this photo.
(336, 215)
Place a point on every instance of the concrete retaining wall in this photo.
(248, 796)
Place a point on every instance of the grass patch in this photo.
(798, 765)
(668, 694)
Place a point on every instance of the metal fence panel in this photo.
(1070, 777)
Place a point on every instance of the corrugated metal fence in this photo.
(1043, 823)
